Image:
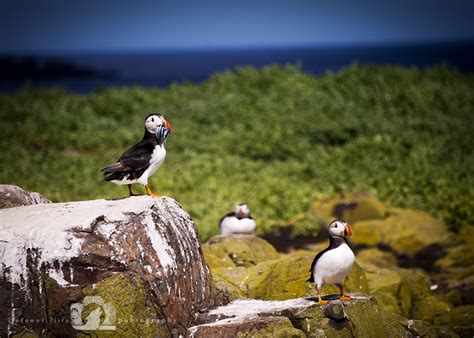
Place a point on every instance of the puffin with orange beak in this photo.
(333, 264)
(141, 161)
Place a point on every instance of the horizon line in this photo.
(223, 48)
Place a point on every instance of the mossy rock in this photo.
(404, 231)
(224, 289)
(353, 319)
(460, 319)
(457, 267)
(278, 327)
(286, 278)
(352, 207)
(430, 308)
(395, 289)
(136, 315)
(380, 258)
(384, 285)
(214, 261)
(421, 328)
(237, 250)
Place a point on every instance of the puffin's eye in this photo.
(152, 119)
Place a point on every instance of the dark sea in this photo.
(84, 73)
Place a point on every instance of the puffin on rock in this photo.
(238, 221)
(333, 264)
(141, 161)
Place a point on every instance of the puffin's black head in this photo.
(242, 210)
(339, 228)
(154, 121)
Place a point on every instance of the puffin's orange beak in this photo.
(348, 231)
(168, 125)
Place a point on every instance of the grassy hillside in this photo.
(275, 137)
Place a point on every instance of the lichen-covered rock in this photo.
(377, 257)
(238, 250)
(395, 289)
(405, 231)
(138, 256)
(358, 318)
(225, 291)
(421, 328)
(430, 308)
(460, 319)
(268, 326)
(352, 207)
(456, 269)
(13, 196)
(285, 278)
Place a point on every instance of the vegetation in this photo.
(274, 137)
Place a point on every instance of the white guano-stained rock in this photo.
(64, 248)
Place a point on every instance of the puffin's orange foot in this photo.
(322, 302)
(343, 298)
(149, 192)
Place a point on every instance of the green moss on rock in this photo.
(238, 250)
(430, 308)
(225, 289)
(395, 289)
(421, 328)
(405, 231)
(278, 327)
(460, 319)
(352, 319)
(285, 278)
(136, 315)
(352, 207)
(380, 258)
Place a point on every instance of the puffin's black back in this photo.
(233, 214)
(134, 161)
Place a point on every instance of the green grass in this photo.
(274, 137)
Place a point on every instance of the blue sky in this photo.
(40, 26)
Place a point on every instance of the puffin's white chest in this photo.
(232, 225)
(334, 265)
(157, 158)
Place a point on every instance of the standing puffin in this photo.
(141, 161)
(333, 264)
(238, 221)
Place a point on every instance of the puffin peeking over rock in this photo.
(238, 221)
(141, 161)
(333, 264)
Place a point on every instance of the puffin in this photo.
(143, 159)
(333, 264)
(238, 221)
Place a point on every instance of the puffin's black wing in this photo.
(311, 278)
(230, 214)
(138, 156)
(132, 162)
(333, 243)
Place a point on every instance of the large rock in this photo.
(136, 260)
(396, 289)
(285, 278)
(461, 319)
(456, 269)
(352, 207)
(301, 318)
(406, 232)
(13, 196)
(238, 250)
